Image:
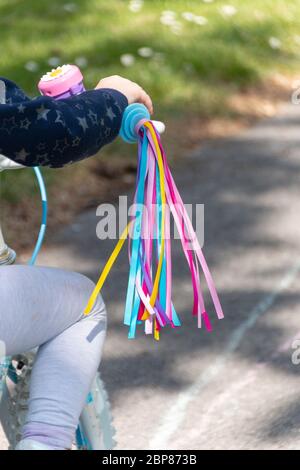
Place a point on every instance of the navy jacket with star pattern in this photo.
(46, 132)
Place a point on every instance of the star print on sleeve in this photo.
(107, 132)
(8, 125)
(42, 113)
(52, 133)
(24, 124)
(22, 155)
(41, 146)
(59, 118)
(76, 142)
(83, 123)
(110, 114)
(21, 108)
(43, 159)
(93, 117)
(61, 145)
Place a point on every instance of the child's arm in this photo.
(14, 94)
(52, 133)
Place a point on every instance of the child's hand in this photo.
(133, 92)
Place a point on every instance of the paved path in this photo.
(237, 387)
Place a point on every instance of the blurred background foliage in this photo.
(195, 50)
(193, 57)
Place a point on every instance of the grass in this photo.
(193, 68)
(193, 71)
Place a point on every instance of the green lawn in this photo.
(191, 66)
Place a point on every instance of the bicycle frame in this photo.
(7, 255)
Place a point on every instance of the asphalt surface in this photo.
(235, 388)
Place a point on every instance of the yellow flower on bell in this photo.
(56, 72)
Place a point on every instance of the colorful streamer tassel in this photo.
(149, 293)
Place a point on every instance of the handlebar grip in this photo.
(131, 117)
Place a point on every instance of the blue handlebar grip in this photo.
(132, 115)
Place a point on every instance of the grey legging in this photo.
(44, 307)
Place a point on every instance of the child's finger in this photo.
(146, 100)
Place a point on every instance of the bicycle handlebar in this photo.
(61, 83)
(67, 80)
(7, 164)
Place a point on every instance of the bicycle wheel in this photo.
(95, 430)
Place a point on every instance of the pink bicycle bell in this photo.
(62, 82)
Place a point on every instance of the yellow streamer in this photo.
(106, 270)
